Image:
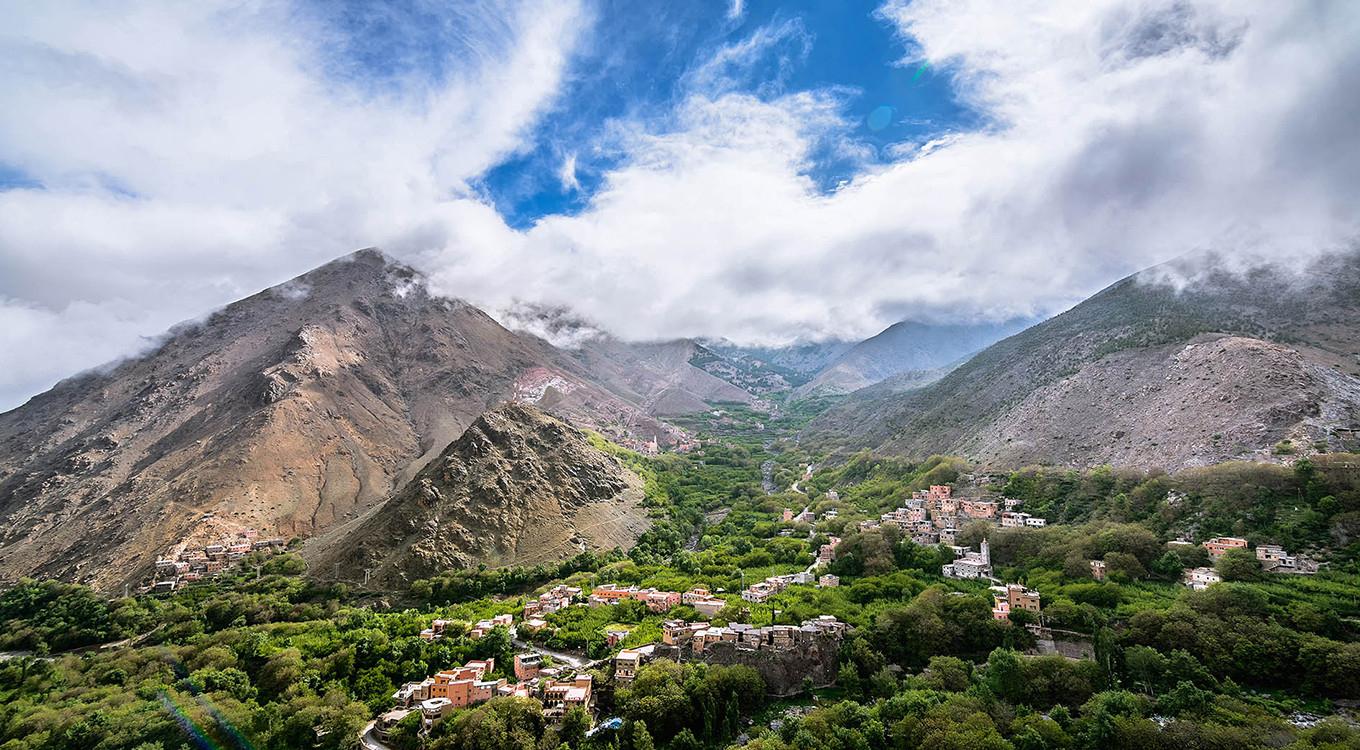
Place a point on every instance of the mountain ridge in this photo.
(518, 487)
(288, 411)
(1007, 405)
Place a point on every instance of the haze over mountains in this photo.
(923, 348)
(302, 408)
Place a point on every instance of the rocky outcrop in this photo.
(517, 488)
(783, 670)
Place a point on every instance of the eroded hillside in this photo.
(517, 488)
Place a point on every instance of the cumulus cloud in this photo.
(1119, 134)
(189, 154)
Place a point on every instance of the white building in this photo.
(971, 565)
(1199, 579)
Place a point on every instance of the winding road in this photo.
(369, 738)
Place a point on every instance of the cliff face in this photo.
(517, 488)
(1146, 373)
(783, 671)
(290, 411)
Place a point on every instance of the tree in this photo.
(1145, 666)
(686, 741)
(1184, 698)
(1076, 566)
(1239, 565)
(1123, 564)
(1006, 675)
(574, 727)
(848, 678)
(949, 673)
(882, 683)
(1168, 566)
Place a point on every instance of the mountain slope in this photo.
(765, 368)
(288, 411)
(904, 347)
(517, 488)
(1149, 373)
(658, 376)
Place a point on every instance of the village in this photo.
(562, 688)
(721, 633)
(186, 565)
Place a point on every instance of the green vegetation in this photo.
(284, 662)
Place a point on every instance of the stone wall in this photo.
(782, 670)
(1065, 643)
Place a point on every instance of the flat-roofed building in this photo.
(1098, 570)
(527, 666)
(435, 710)
(1219, 545)
(1273, 556)
(626, 665)
(1200, 579)
(709, 607)
(385, 722)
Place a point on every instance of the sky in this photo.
(764, 171)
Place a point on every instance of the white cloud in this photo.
(567, 175)
(1122, 133)
(191, 153)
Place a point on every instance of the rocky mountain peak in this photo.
(518, 487)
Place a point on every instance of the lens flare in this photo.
(187, 724)
(197, 690)
(881, 117)
(919, 71)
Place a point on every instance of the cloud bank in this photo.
(186, 156)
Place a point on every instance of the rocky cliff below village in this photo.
(517, 488)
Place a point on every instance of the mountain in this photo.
(766, 368)
(517, 488)
(289, 411)
(666, 378)
(1181, 365)
(905, 347)
(660, 376)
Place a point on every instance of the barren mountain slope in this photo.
(517, 488)
(904, 347)
(658, 375)
(287, 412)
(1114, 379)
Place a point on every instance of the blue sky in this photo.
(663, 169)
(638, 65)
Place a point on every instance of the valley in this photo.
(375, 512)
